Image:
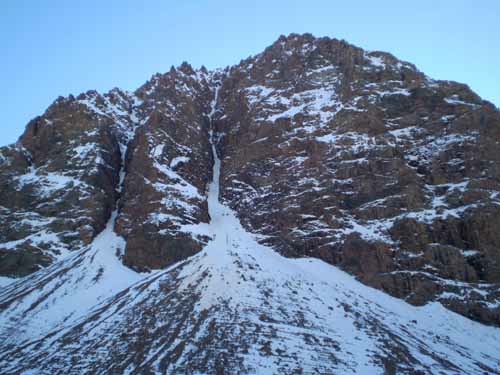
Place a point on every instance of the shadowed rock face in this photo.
(169, 167)
(58, 186)
(328, 151)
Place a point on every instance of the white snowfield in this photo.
(237, 305)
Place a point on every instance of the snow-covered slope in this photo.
(65, 291)
(237, 307)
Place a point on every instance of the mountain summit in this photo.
(315, 209)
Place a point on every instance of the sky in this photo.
(55, 47)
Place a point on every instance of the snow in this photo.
(376, 61)
(405, 132)
(328, 138)
(90, 104)
(455, 100)
(4, 281)
(257, 93)
(179, 184)
(158, 150)
(289, 113)
(426, 150)
(396, 91)
(314, 102)
(82, 151)
(46, 182)
(351, 142)
(322, 70)
(370, 231)
(41, 238)
(107, 108)
(469, 253)
(178, 160)
(447, 118)
(318, 103)
(124, 112)
(460, 186)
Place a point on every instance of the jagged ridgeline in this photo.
(238, 220)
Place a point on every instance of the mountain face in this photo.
(315, 209)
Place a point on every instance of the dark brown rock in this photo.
(168, 169)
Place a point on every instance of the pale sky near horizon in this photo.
(57, 47)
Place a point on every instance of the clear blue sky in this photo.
(54, 47)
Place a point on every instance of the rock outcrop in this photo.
(58, 184)
(168, 168)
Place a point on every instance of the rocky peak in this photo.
(323, 142)
(237, 220)
(186, 68)
(327, 151)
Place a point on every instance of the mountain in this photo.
(315, 209)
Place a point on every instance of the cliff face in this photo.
(327, 151)
(59, 182)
